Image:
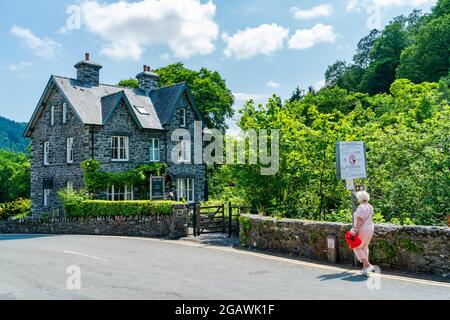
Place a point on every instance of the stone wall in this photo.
(58, 169)
(412, 248)
(172, 226)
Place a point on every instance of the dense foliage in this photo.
(19, 208)
(94, 179)
(100, 208)
(11, 136)
(408, 144)
(415, 47)
(212, 97)
(14, 176)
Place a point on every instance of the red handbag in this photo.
(353, 240)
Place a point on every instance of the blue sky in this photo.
(260, 47)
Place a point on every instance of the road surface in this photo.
(35, 267)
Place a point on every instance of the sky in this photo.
(260, 47)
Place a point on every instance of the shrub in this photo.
(72, 199)
(101, 208)
(20, 207)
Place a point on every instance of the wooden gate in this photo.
(208, 219)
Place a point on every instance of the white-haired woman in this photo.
(363, 227)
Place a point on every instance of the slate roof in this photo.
(165, 100)
(94, 104)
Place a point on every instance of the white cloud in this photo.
(127, 28)
(17, 67)
(357, 4)
(43, 47)
(272, 84)
(323, 10)
(319, 84)
(307, 38)
(265, 39)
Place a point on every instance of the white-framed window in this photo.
(185, 189)
(185, 151)
(183, 117)
(46, 197)
(69, 150)
(64, 112)
(52, 115)
(46, 152)
(154, 150)
(70, 186)
(124, 193)
(120, 148)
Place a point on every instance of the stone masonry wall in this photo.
(413, 248)
(195, 171)
(58, 169)
(173, 226)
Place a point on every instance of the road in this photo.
(35, 267)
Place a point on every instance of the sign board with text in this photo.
(157, 188)
(351, 160)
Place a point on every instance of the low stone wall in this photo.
(171, 226)
(413, 248)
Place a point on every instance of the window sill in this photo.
(112, 160)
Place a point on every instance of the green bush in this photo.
(73, 199)
(100, 208)
(17, 207)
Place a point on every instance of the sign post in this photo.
(351, 164)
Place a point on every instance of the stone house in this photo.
(122, 128)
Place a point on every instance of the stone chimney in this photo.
(88, 72)
(148, 80)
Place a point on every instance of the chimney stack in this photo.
(88, 72)
(148, 80)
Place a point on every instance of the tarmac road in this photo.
(36, 267)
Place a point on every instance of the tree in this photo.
(408, 146)
(211, 94)
(14, 176)
(129, 83)
(363, 54)
(429, 58)
(297, 94)
(335, 72)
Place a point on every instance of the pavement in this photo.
(98, 267)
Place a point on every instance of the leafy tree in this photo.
(429, 58)
(408, 147)
(297, 95)
(129, 83)
(363, 55)
(14, 176)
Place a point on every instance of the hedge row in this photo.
(14, 208)
(100, 208)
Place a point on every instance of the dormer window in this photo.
(183, 117)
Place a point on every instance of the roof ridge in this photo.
(173, 85)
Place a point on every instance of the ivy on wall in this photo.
(95, 179)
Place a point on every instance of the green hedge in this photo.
(17, 207)
(101, 208)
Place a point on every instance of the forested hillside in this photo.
(414, 47)
(11, 136)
